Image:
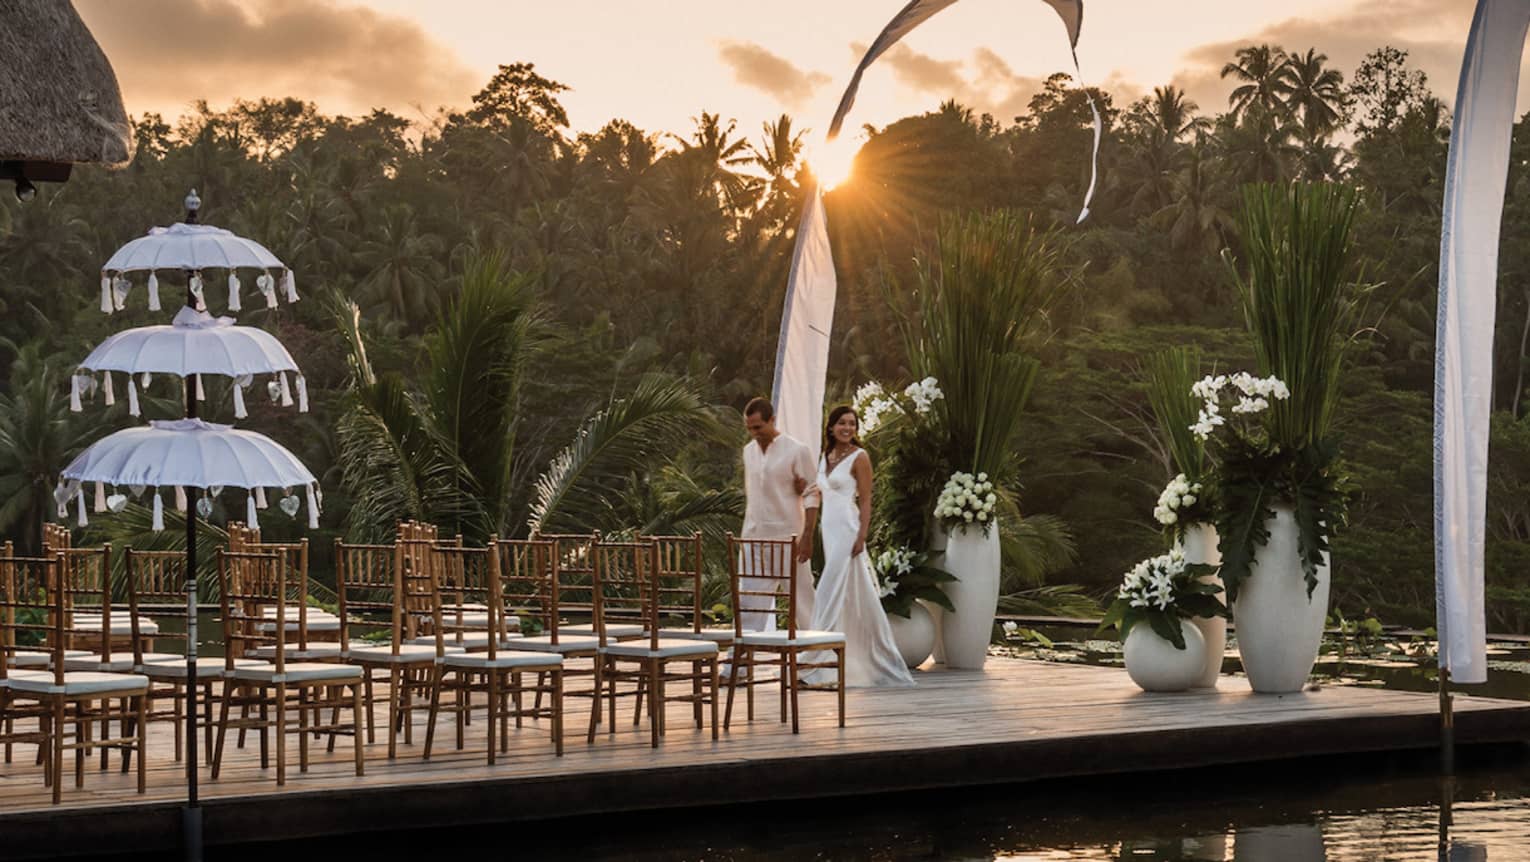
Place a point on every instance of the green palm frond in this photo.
(478, 354)
(652, 421)
(1062, 600)
(1033, 547)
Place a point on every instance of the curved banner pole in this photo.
(1476, 174)
(802, 352)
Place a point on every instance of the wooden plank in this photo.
(1016, 721)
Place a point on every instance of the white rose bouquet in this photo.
(967, 500)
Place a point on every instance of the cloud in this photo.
(991, 87)
(1431, 31)
(348, 59)
(755, 66)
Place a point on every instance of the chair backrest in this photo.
(367, 587)
(760, 571)
(575, 554)
(87, 591)
(155, 583)
(251, 582)
(293, 558)
(625, 581)
(679, 569)
(57, 537)
(528, 578)
(32, 608)
(465, 586)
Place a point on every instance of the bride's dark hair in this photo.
(835, 415)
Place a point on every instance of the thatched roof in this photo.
(59, 100)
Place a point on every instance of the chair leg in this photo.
(656, 709)
(493, 717)
(57, 753)
(435, 707)
(207, 720)
(557, 709)
(371, 702)
(395, 711)
(356, 711)
(712, 669)
(217, 751)
(637, 709)
(840, 657)
(594, 698)
(791, 662)
(281, 733)
(143, 743)
(732, 686)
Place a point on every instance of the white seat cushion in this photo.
(316, 649)
(466, 640)
(300, 672)
(505, 659)
(543, 643)
(717, 636)
(330, 624)
(407, 654)
(29, 658)
(292, 611)
(668, 648)
(122, 625)
(207, 668)
(613, 630)
(121, 662)
(803, 638)
(77, 683)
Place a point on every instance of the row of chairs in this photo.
(457, 630)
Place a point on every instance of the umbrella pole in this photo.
(191, 819)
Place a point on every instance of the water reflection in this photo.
(1345, 810)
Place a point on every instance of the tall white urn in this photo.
(973, 559)
(1279, 628)
(1199, 542)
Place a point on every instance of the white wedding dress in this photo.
(846, 600)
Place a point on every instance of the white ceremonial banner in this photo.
(802, 353)
(1476, 174)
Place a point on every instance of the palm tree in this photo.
(446, 452)
(38, 437)
(1315, 93)
(1172, 115)
(1198, 216)
(402, 265)
(1263, 87)
(718, 158)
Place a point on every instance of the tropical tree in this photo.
(1260, 71)
(403, 266)
(1315, 93)
(38, 438)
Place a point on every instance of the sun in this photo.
(833, 162)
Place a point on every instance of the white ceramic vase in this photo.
(1199, 542)
(1280, 628)
(914, 635)
(973, 559)
(1154, 664)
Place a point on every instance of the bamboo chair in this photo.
(681, 575)
(34, 600)
(538, 593)
(250, 583)
(576, 562)
(497, 671)
(464, 587)
(626, 584)
(789, 649)
(156, 591)
(321, 626)
(396, 579)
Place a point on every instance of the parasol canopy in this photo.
(195, 343)
(194, 247)
(189, 453)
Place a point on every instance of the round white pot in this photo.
(973, 559)
(914, 635)
(1199, 542)
(1154, 664)
(1279, 627)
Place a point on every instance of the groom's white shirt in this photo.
(774, 508)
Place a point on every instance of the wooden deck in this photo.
(1016, 721)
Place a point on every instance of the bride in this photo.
(846, 600)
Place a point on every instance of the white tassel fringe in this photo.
(302, 385)
(239, 411)
(153, 291)
(132, 397)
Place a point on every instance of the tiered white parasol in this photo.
(189, 453)
(195, 344)
(191, 248)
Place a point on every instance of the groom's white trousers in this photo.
(758, 611)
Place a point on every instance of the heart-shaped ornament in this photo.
(290, 505)
(138, 489)
(204, 507)
(274, 389)
(215, 490)
(116, 502)
(62, 493)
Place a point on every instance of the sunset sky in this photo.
(662, 62)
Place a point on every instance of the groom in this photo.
(781, 501)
